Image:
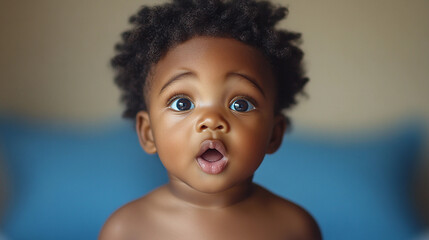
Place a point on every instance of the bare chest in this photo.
(216, 225)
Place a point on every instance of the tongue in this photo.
(212, 155)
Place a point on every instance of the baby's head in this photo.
(160, 28)
(207, 81)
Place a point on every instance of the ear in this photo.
(279, 128)
(144, 132)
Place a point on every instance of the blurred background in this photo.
(368, 64)
(367, 61)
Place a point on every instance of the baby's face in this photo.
(211, 113)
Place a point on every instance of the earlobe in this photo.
(280, 125)
(144, 132)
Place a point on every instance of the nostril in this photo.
(212, 125)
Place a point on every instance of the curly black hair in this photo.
(159, 28)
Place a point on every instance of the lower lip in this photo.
(212, 167)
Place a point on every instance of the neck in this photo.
(226, 198)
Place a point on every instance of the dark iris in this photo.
(182, 104)
(240, 105)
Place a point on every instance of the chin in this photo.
(213, 186)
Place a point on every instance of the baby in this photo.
(206, 82)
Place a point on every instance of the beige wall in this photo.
(368, 60)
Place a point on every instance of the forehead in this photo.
(214, 56)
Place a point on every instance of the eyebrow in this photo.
(175, 78)
(188, 73)
(248, 78)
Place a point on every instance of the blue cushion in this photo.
(66, 181)
(356, 187)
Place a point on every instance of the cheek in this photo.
(251, 139)
(170, 135)
(254, 130)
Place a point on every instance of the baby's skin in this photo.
(211, 119)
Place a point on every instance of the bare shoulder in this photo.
(298, 222)
(122, 222)
(130, 220)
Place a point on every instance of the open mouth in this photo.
(212, 157)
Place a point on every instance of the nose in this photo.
(212, 121)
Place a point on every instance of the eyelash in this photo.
(175, 96)
(245, 97)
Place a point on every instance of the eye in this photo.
(241, 105)
(181, 104)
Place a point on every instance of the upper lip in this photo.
(212, 144)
